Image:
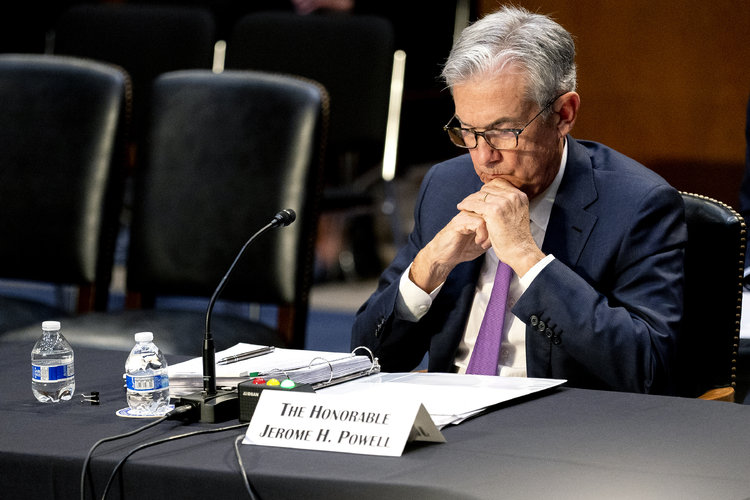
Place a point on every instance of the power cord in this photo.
(177, 412)
(250, 490)
(173, 438)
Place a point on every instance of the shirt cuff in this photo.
(412, 302)
(532, 273)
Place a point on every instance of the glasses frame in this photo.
(516, 131)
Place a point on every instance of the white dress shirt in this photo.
(413, 302)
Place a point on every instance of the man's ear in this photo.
(567, 109)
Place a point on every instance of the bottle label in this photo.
(147, 382)
(51, 373)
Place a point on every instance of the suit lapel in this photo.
(570, 224)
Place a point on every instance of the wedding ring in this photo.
(485, 197)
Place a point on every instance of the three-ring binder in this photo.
(321, 372)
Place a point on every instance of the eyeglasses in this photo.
(502, 138)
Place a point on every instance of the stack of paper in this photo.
(318, 368)
(449, 398)
(322, 372)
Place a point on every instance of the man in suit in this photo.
(595, 240)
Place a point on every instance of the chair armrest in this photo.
(719, 394)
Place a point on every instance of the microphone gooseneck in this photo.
(282, 218)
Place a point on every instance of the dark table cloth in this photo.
(565, 443)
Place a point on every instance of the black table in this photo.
(566, 443)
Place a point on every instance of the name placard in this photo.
(368, 424)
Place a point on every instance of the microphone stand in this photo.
(219, 406)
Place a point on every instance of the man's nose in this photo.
(484, 152)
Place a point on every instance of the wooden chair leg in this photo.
(86, 298)
(285, 323)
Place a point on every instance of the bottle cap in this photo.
(144, 337)
(50, 326)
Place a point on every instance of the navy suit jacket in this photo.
(604, 314)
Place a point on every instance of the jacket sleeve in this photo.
(400, 345)
(614, 329)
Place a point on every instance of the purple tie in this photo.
(487, 347)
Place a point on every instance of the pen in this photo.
(245, 355)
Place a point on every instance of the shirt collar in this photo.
(541, 206)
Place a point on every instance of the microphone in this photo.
(219, 406)
(284, 217)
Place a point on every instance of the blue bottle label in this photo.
(51, 373)
(147, 383)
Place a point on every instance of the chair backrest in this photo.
(351, 56)
(714, 263)
(146, 40)
(62, 127)
(225, 153)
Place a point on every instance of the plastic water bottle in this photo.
(146, 377)
(52, 368)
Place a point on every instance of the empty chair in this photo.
(146, 40)
(714, 261)
(353, 58)
(63, 122)
(225, 153)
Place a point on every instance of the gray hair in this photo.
(513, 35)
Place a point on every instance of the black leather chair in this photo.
(353, 57)
(146, 40)
(714, 263)
(63, 123)
(225, 153)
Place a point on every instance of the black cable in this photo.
(104, 440)
(160, 441)
(250, 491)
(169, 416)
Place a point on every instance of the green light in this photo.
(288, 384)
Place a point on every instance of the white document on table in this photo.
(449, 398)
(303, 366)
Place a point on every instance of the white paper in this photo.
(187, 376)
(279, 358)
(449, 398)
